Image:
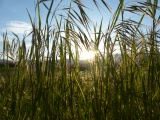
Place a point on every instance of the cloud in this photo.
(17, 27)
(1, 38)
(1, 44)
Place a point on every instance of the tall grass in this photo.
(43, 87)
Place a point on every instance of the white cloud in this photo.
(17, 27)
(1, 38)
(1, 44)
(28, 45)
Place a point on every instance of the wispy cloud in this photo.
(17, 27)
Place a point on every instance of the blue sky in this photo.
(14, 15)
(14, 10)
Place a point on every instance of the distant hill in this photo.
(83, 64)
(1, 60)
(11, 63)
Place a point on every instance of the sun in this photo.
(87, 55)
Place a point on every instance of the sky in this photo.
(14, 15)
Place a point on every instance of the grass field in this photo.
(125, 90)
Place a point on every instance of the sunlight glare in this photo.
(87, 55)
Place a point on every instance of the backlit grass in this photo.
(43, 86)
